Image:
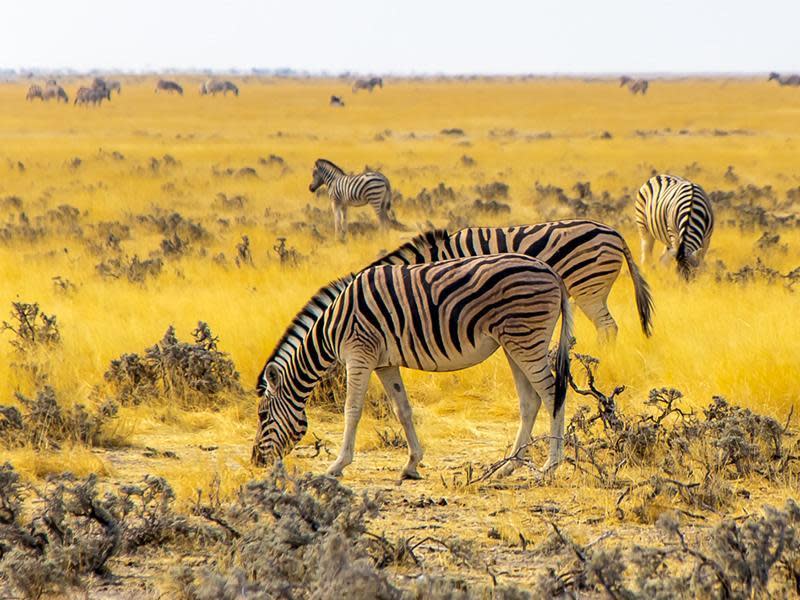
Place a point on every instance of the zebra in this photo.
(94, 95)
(35, 91)
(336, 101)
(345, 190)
(214, 86)
(442, 316)
(677, 213)
(55, 91)
(103, 84)
(791, 80)
(367, 84)
(635, 86)
(168, 86)
(586, 254)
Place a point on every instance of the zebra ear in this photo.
(272, 374)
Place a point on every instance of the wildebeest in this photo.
(94, 95)
(35, 91)
(53, 90)
(106, 84)
(367, 84)
(635, 86)
(336, 101)
(215, 86)
(165, 85)
(792, 80)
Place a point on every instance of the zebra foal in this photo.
(443, 316)
(346, 190)
(677, 213)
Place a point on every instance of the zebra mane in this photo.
(295, 333)
(324, 162)
(409, 252)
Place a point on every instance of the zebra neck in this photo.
(330, 175)
(310, 361)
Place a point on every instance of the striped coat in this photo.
(346, 190)
(677, 213)
(587, 255)
(443, 316)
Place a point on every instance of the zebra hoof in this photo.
(413, 475)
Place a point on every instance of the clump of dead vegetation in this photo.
(135, 270)
(695, 458)
(31, 327)
(45, 423)
(73, 530)
(191, 373)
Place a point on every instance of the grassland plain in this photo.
(128, 165)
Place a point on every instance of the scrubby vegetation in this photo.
(122, 228)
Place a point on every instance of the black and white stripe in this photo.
(345, 190)
(677, 213)
(587, 255)
(443, 316)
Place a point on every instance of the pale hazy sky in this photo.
(405, 36)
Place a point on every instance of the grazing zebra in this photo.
(55, 91)
(791, 80)
(94, 95)
(165, 85)
(635, 86)
(367, 84)
(336, 101)
(443, 316)
(346, 190)
(587, 255)
(108, 85)
(214, 87)
(677, 213)
(35, 91)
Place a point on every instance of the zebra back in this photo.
(676, 212)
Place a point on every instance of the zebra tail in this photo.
(644, 300)
(562, 354)
(684, 266)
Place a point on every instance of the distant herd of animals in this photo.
(101, 88)
(447, 301)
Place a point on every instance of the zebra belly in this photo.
(433, 360)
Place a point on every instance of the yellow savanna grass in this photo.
(709, 337)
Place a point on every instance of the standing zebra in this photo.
(367, 84)
(677, 213)
(791, 80)
(214, 87)
(587, 255)
(165, 85)
(94, 95)
(35, 91)
(346, 190)
(443, 316)
(107, 85)
(635, 86)
(53, 90)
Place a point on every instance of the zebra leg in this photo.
(647, 241)
(537, 370)
(393, 384)
(596, 308)
(357, 382)
(343, 221)
(529, 403)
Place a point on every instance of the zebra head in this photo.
(773, 75)
(282, 421)
(323, 173)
